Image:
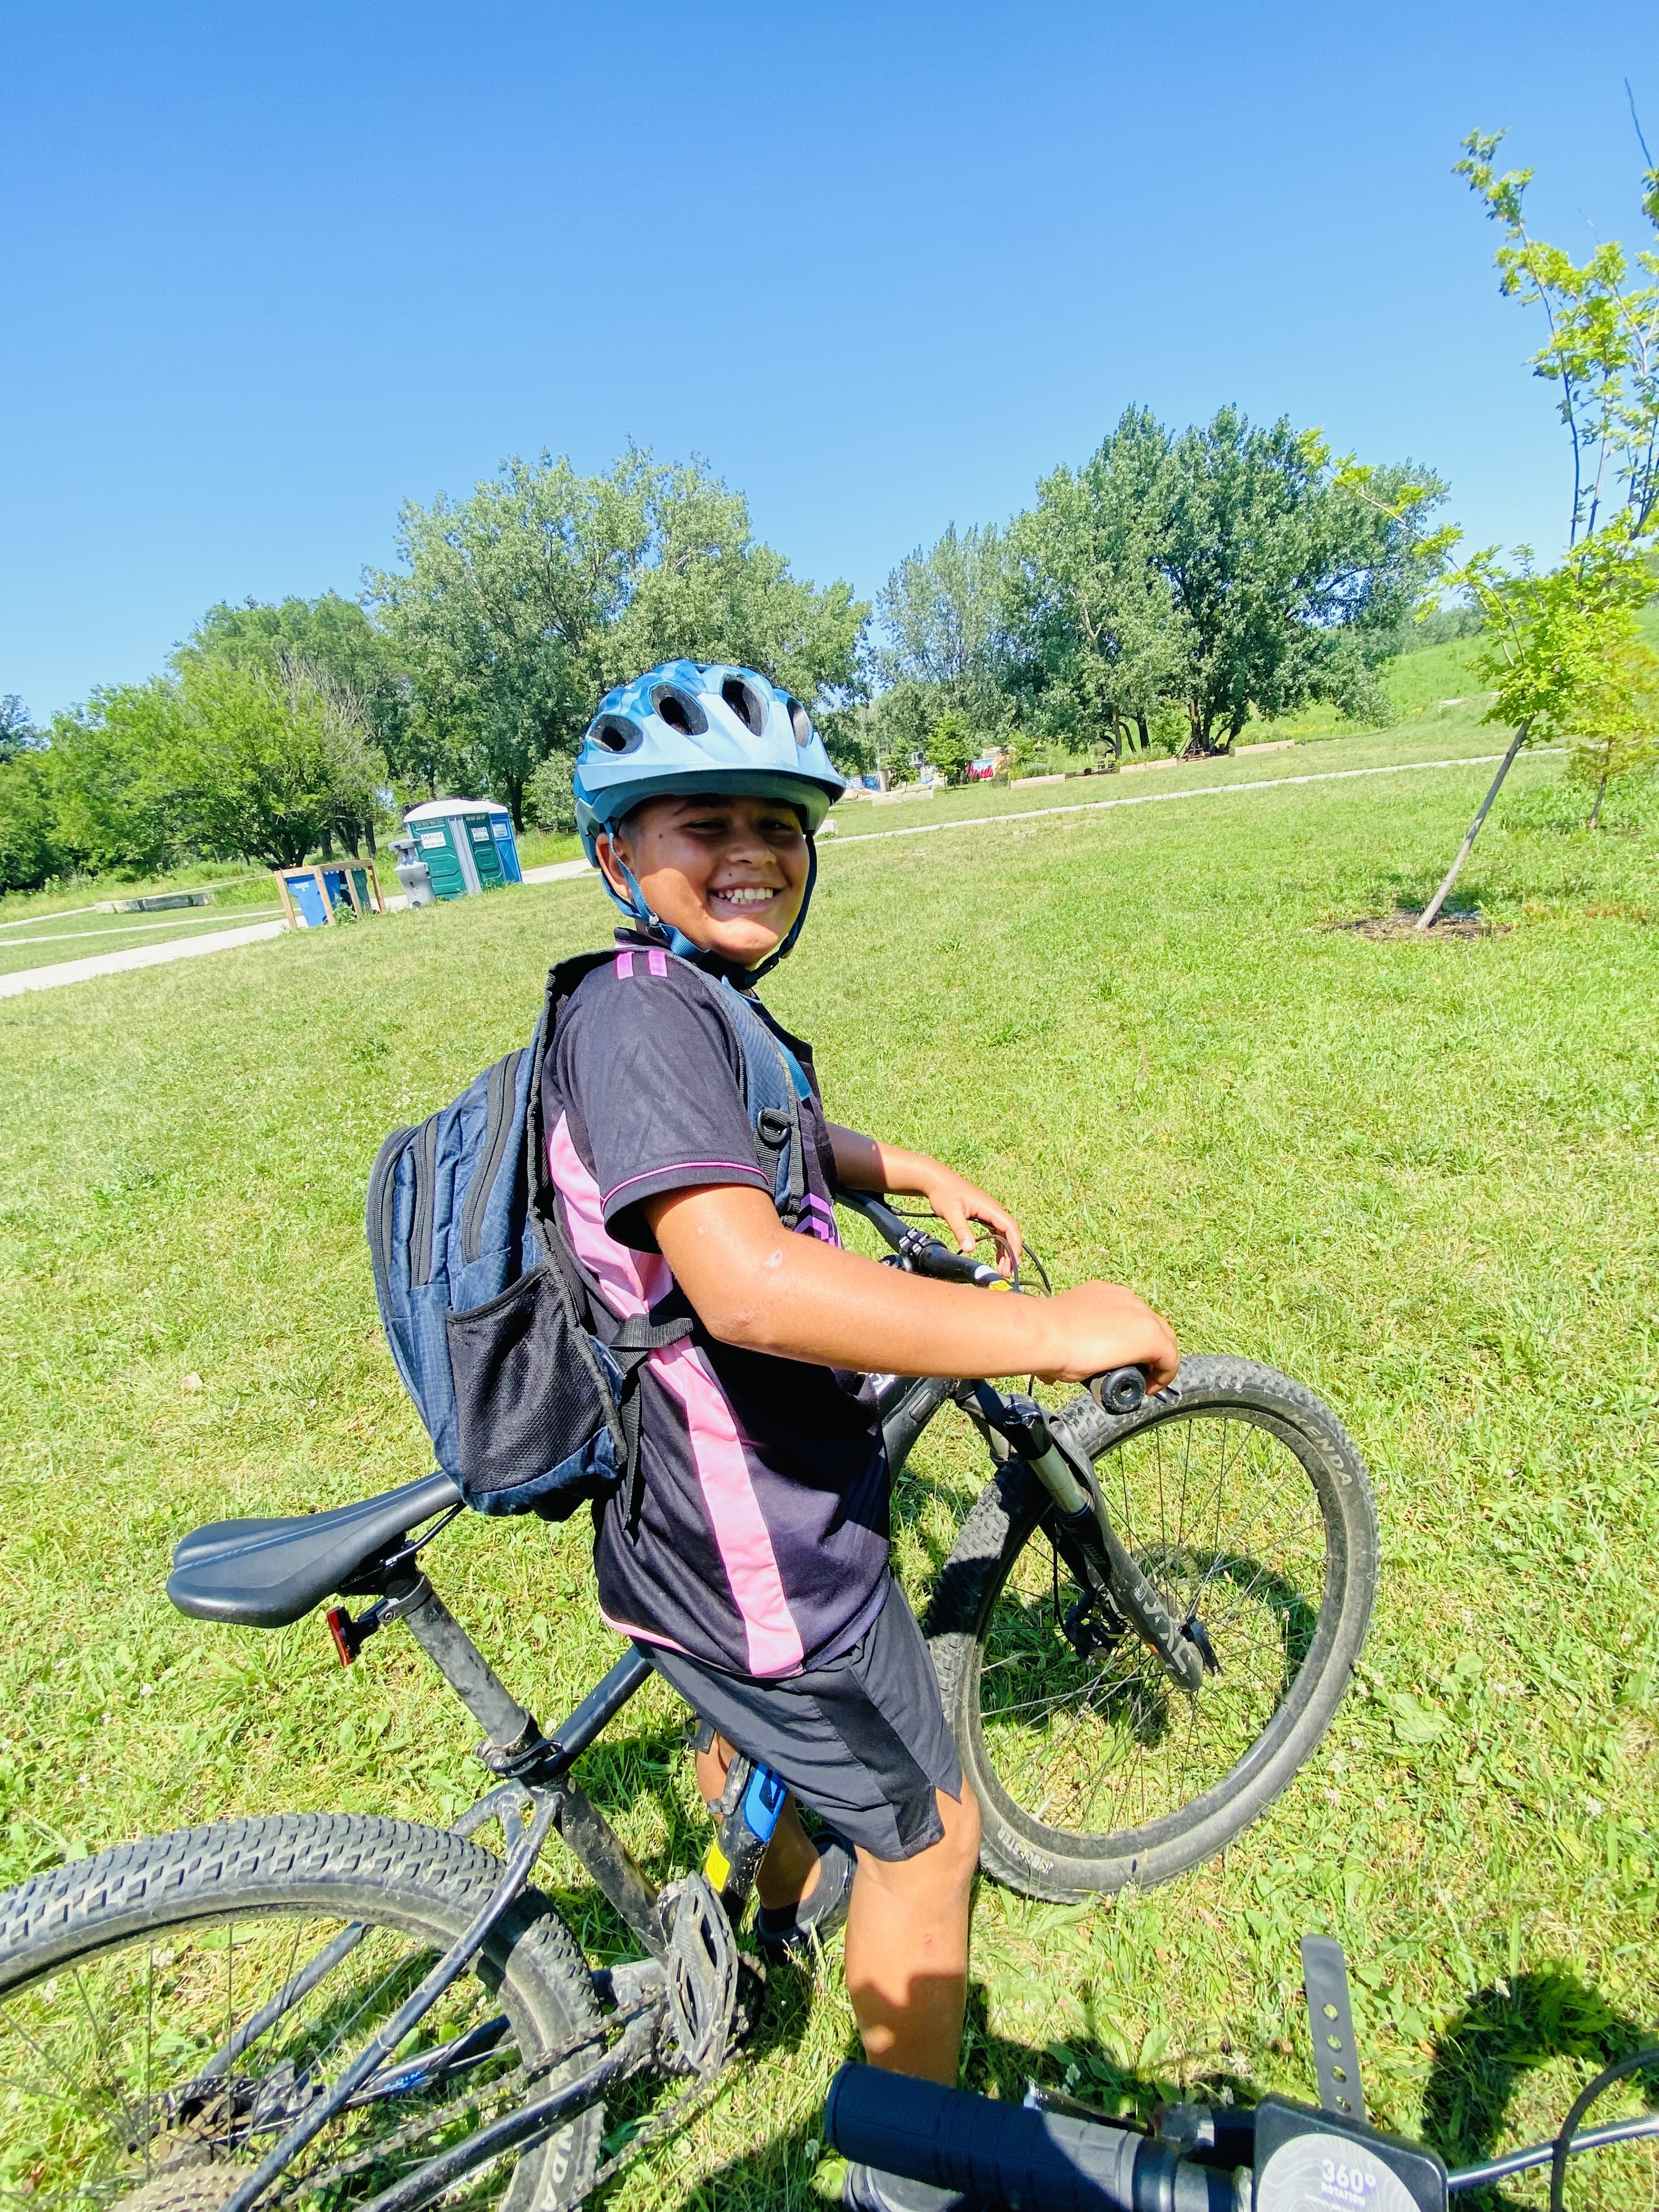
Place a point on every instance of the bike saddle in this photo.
(267, 1573)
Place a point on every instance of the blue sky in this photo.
(269, 272)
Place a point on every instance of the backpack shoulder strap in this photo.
(561, 983)
(626, 1351)
(774, 1084)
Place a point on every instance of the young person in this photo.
(755, 1573)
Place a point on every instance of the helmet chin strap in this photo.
(637, 907)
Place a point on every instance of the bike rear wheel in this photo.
(164, 2006)
(1244, 1502)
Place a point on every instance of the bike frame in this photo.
(687, 1930)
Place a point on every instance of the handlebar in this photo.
(1121, 1391)
(1003, 2153)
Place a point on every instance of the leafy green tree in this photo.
(1095, 641)
(17, 733)
(1602, 348)
(1616, 725)
(112, 775)
(519, 606)
(703, 587)
(1292, 576)
(951, 744)
(898, 723)
(1558, 643)
(943, 614)
(29, 854)
(335, 639)
(501, 611)
(265, 764)
(550, 799)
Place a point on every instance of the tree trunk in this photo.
(368, 830)
(515, 802)
(1200, 723)
(328, 844)
(348, 838)
(1596, 811)
(1426, 920)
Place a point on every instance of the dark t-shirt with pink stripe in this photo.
(762, 1544)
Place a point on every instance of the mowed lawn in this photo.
(1420, 1176)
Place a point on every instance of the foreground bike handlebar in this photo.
(1121, 1391)
(1276, 2156)
(1003, 2153)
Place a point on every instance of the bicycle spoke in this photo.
(1222, 1521)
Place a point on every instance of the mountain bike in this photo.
(1145, 1627)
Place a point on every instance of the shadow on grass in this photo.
(1505, 2033)
(1083, 2070)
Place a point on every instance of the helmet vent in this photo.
(617, 736)
(744, 704)
(800, 723)
(682, 714)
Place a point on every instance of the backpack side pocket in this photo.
(535, 1407)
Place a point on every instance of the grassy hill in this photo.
(1419, 1176)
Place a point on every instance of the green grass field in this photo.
(1419, 1176)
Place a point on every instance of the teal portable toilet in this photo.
(467, 845)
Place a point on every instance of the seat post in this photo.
(509, 1729)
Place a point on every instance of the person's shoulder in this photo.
(642, 989)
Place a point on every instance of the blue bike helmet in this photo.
(682, 729)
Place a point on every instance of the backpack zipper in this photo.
(422, 1155)
(503, 1091)
(382, 1199)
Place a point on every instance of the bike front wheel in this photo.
(168, 2007)
(1243, 1500)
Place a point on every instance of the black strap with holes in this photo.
(1330, 2021)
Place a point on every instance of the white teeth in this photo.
(747, 897)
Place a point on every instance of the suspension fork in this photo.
(1085, 1528)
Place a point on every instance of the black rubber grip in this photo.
(995, 2154)
(1123, 1391)
(939, 1261)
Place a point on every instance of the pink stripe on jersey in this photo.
(656, 963)
(630, 1282)
(624, 964)
(644, 1635)
(734, 1514)
(690, 1167)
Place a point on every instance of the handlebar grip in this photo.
(995, 2154)
(939, 1261)
(1123, 1391)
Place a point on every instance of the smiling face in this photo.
(729, 874)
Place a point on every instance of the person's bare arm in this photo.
(757, 1285)
(868, 1163)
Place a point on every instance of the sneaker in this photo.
(868, 2188)
(786, 1931)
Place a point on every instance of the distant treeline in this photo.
(1172, 584)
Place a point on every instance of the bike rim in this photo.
(129, 2073)
(1102, 1753)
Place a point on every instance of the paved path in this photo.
(137, 956)
(557, 871)
(1164, 798)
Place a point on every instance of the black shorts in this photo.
(863, 1742)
